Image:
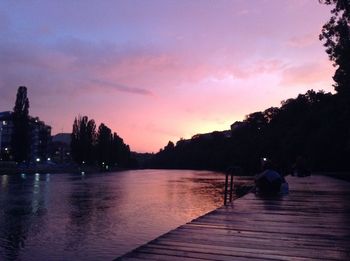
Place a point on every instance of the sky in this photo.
(159, 70)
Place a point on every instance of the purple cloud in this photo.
(121, 88)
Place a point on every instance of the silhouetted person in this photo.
(269, 181)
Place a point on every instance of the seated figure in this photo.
(270, 182)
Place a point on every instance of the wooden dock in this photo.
(312, 222)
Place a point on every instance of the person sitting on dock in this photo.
(269, 181)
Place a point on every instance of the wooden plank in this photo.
(281, 220)
(263, 235)
(273, 230)
(231, 250)
(260, 243)
(288, 227)
(214, 255)
(310, 223)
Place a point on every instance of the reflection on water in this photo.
(101, 216)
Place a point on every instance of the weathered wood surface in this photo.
(310, 223)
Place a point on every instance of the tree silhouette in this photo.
(21, 131)
(104, 145)
(83, 140)
(90, 141)
(336, 36)
(104, 148)
(121, 155)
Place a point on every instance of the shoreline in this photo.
(75, 169)
(57, 169)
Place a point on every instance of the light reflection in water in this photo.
(101, 216)
(4, 181)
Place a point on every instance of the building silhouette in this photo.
(60, 148)
(39, 137)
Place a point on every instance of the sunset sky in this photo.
(155, 71)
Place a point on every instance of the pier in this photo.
(312, 222)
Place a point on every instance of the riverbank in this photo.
(12, 169)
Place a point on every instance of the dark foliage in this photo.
(20, 139)
(313, 126)
(102, 148)
(104, 145)
(336, 36)
(121, 152)
(83, 140)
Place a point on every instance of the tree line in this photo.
(98, 146)
(313, 126)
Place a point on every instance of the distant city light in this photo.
(4, 122)
(37, 159)
(83, 162)
(264, 159)
(103, 163)
(82, 173)
(6, 149)
(48, 159)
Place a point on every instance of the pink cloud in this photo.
(267, 66)
(119, 87)
(307, 74)
(303, 40)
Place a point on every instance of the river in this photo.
(98, 216)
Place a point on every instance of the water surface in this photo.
(98, 216)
